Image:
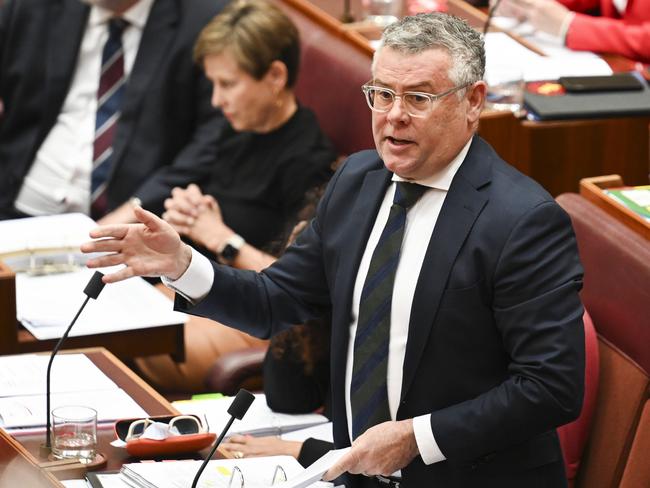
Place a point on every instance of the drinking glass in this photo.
(74, 433)
(505, 88)
(382, 12)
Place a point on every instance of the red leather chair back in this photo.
(573, 436)
(332, 71)
(617, 277)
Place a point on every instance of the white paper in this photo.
(76, 484)
(29, 411)
(323, 432)
(46, 305)
(257, 472)
(51, 232)
(314, 472)
(259, 420)
(639, 196)
(25, 374)
(559, 61)
(112, 480)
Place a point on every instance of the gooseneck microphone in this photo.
(237, 410)
(491, 12)
(92, 290)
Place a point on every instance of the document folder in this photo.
(588, 105)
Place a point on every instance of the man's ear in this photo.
(476, 94)
(277, 75)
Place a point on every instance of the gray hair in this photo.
(414, 34)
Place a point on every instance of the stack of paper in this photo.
(75, 380)
(259, 420)
(46, 303)
(256, 472)
(559, 61)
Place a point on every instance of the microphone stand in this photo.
(92, 290)
(346, 16)
(237, 410)
(491, 12)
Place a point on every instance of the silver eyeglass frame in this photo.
(432, 97)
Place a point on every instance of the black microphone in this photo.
(92, 290)
(491, 12)
(237, 410)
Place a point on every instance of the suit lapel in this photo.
(158, 33)
(462, 206)
(67, 23)
(358, 225)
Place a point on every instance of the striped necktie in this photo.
(368, 393)
(109, 98)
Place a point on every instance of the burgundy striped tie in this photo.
(109, 97)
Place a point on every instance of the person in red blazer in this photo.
(621, 26)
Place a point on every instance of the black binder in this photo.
(589, 105)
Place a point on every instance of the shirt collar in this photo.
(136, 16)
(443, 178)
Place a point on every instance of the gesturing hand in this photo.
(382, 449)
(151, 248)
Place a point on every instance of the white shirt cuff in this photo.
(566, 23)
(427, 445)
(196, 282)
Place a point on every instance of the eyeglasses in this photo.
(185, 424)
(417, 104)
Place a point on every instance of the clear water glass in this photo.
(74, 433)
(383, 12)
(505, 88)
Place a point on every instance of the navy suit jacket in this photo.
(495, 349)
(167, 131)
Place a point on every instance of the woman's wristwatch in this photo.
(231, 248)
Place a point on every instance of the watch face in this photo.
(229, 252)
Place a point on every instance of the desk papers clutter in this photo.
(502, 49)
(75, 381)
(256, 472)
(46, 304)
(260, 420)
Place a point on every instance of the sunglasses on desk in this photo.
(184, 424)
(194, 435)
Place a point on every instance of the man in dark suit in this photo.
(162, 129)
(457, 338)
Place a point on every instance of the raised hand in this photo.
(150, 248)
(382, 449)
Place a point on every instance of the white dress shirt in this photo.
(620, 5)
(59, 179)
(421, 219)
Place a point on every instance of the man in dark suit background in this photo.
(78, 96)
(457, 337)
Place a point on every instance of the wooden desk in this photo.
(19, 468)
(592, 190)
(14, 339)
(28, 449)
(556, 154)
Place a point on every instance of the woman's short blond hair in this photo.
(255, 33)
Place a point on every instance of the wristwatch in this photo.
(231, 249)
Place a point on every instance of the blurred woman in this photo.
(270, 153)
(604, 26)
(296, 380)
